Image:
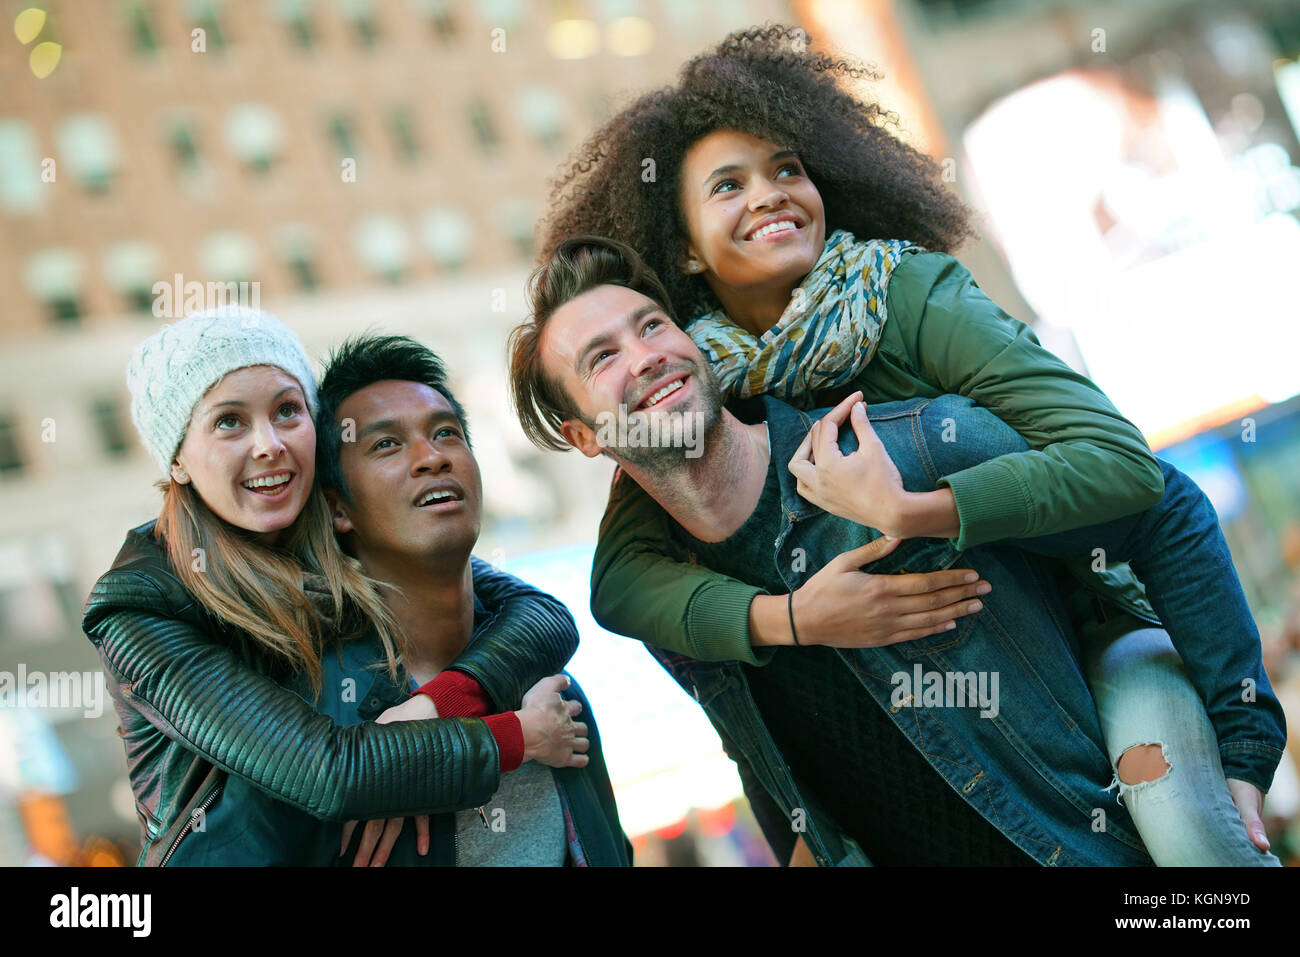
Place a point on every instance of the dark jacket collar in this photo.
(382, 692)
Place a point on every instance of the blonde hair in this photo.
(260, 590)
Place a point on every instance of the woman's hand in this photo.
(1249, 800)
(380, 835)
(864, 486)
(845, 607)
(551, 736)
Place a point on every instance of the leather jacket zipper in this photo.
(189, 825)
(567, 808)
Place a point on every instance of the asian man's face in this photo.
(416, 492)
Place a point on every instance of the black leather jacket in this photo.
(197, 702)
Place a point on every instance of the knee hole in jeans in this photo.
(1142, 762)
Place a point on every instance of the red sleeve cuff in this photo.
(510, 739)
(457, 695)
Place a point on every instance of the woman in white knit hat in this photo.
(213, 622)
(224, 402)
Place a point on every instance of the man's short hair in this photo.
(359, 362)
(578, 265)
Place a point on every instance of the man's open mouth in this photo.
(662, 393)
(437, 496)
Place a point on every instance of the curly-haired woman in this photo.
(805, 249)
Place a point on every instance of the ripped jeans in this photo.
(1186, 817)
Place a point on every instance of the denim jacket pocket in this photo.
(940, 641)
(918, 556)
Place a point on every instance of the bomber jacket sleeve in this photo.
(1087, 463)
(532, 636)
(639, 591)
(199, 693)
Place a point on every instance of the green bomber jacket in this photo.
(1087, 464)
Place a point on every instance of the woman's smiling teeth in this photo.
(268, 483)
(663, 393)
(784, 225)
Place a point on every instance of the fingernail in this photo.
(984, 589)
(950, 626)
(974, 607)
(972, 577)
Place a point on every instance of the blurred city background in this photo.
(381, 164)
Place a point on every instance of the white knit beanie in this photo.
(172, 370)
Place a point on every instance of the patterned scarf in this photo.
(827, 334)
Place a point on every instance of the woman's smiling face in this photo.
(755, 220)
(250, 450)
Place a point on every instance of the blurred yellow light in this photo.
(28, 24)
(572, 39)
(629, 36)
(45, 57)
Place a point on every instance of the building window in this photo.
(180, 138)
(20, 168)
(361, 14)
(515, 219)
(107, 419)
(228, 258)
(54, 277)
(132, 268)
(381, 245)
(499, 13)
(11, 460)
(296, 17)
(484, 130)
(304, 273)
(206, 14)
(295, 244)
(255, 135)
(448, 236)
(88, 146)
(541, 111)
(439, 15)
(139, 20)
(340, 132)
(405, 144)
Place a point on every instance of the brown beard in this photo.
(662, 459)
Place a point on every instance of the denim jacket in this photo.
(1036, 769)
